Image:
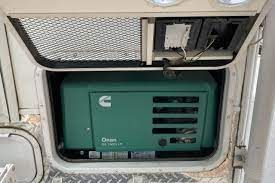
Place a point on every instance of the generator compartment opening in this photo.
(130, 116)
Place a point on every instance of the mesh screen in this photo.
(85, 38)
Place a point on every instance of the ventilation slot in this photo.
(175, 120)
(185, 110)
(174, 131)
(182, 140)
(173, 99)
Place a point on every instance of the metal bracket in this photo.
(239, 156)
(7, 175)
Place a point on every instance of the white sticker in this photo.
(143, 155)
(94, 155)
(114, 155)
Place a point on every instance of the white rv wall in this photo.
(260, 166)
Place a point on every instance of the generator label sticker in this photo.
(114, 155)
(105, 101)
(110, 142)
(143, 155)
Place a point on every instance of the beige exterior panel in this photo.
(135, 7)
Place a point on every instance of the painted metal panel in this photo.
(4, 114)
(7, 74)
(24, 76)
(122, 6)
(260, 161)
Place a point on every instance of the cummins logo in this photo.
(105, 101)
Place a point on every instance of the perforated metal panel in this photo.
(83, 38)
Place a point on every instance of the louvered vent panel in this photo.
(178, 119)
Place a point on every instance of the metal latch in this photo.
(239, 156)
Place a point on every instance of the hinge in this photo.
(239, 156)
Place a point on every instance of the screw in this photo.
(162, 142)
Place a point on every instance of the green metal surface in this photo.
(118, 111)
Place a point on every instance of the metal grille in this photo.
(85, 38)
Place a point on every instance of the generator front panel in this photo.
(136, 121)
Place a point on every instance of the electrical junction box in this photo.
(176, 33)
(139, 111)
(177, 36)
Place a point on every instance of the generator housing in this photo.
(139, 112)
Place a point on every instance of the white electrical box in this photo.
(177, 36)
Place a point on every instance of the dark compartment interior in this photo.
(228, 33)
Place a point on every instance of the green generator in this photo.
(139, 111)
